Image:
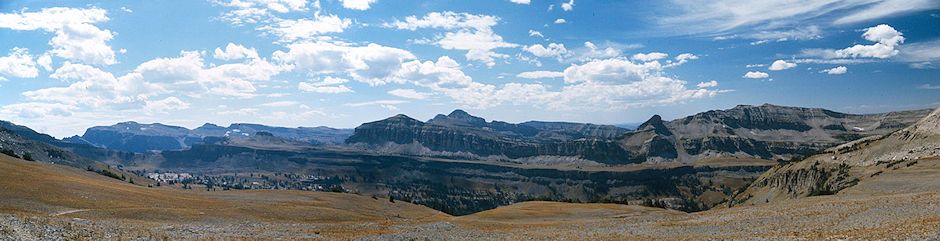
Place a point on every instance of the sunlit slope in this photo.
(35, 188)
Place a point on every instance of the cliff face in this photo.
(482, 139)
(766, 132)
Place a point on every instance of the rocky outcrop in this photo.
(842, 166)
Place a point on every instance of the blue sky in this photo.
(68, 66)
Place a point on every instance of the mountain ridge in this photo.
(766, 131)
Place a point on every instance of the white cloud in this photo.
(377, 102)
(722, 16)
(756, 75)
(541, 74)
(799, 33)
(887, 8)
(755, 65)
(649, 56)
(929, 87)
(886, 37)
(409, 93)
(357, 4)
(605, 85)
(289, 30)
(235, 52)
(921, 55)
(591, 51)
(389, 107)
(165, 105)
(560, 20)
(18, 64)
(37, 110)
(281, 6)
(521, 1)
(445, 20)
(479, 44)
(127, 10)
(370, 64)
(535, 33)
(45, 61)
(707, 84)
(887, 41)
(75, 36)
(568, 6)
(836, 70)
(781, 65)
(681, 59)
(183, 75)
(326, 86)
(285, 103)
(330, 80)
(474, 33)
(323, 89)
(553, 50)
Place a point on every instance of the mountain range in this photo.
(137, 137)
(765, 131)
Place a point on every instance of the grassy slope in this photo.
(40, 189)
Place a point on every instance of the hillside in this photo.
(858, 163)
(47, 201)
(42, 189)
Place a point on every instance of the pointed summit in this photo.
(655, 124)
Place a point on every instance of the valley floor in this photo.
(47, 202)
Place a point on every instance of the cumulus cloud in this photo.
(409, 93)
(560, 20)
(183, 75)
(76, 38)
(473, 33)
(541, 74)
(552, 50)
(18, 64)
(649, 56)
(836, 70)
(886, 39)
(370, 64)
(681, 59)
(165, 105)
(756, 75)
(357, 4)
(535, 33)
(781, 65)
(708, 84)
(289, 30)
(568, 6)
(235, 52)
(521, 1)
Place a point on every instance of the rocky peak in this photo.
(656, 125)
(459, 117)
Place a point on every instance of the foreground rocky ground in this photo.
(910, 216)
